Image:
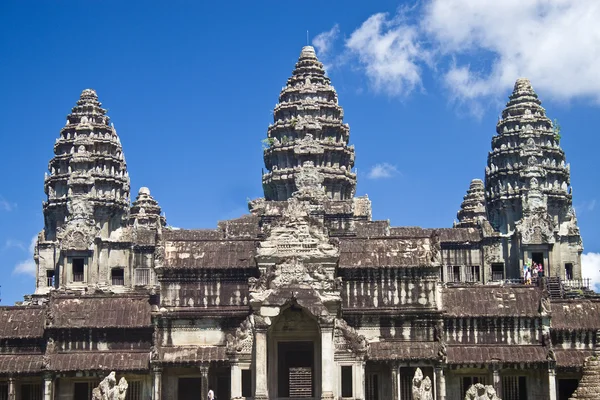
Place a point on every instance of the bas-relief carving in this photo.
(241, 340)
(536, 228)
(421, 387)
(307, 145)
(352, 340)
(108, 389)
(481, 392)
(77, 235)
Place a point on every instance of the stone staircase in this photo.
(554, 287)
(589, 385)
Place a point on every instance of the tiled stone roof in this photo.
(210, 254)
(571, 357)
(492, 301)
(100, 361)
(487, 353)
(192, 354)
(20, 363)
(384, 252)
(22, 322)
(100, 312)
(576, 314)
(459, 235)
(402, 350)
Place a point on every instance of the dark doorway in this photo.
(568, 271)
(189, 389)
(538, 258)
(497, 272)
(295, 369)
(81, 391)
(566, 387)
(223, 387)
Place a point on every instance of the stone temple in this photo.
(305, 297)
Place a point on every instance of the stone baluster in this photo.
(157, 386)
(360, 381)
(395, 382)
(261, 391)
(236, 381)
(440, 380)
(552, 382)
(48, 387)
(327, 364)
(12, 391)
(204, 381)
(496, 379)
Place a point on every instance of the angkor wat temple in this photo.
(305, 297)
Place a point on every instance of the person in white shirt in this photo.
(211, 394)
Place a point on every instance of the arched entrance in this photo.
(294, 351)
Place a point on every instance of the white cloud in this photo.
(390, 53)
(585, 207)
(323, 42)
(28, 266)
(382, 171)
(479, 48)
(590, 268)
(551, 42)
(6, 205)
(11, 244)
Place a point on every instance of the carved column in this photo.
(48, 387)
(328, 369)
(157, 385)
(204, 380)
(359, 375)
(261, 391)
(497, 380)
(440, 380)
(236, 381)
(551, 383)
(395, 382)
(12, 391)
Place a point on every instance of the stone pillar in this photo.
(328, 369)
(360, 381)
(204, 381)
(551, 383)
(440, 380)
(497, 381)
(157, 384)
(261, 388)
(236, 381)
(395, 382)
(12, 390)
(48, 387)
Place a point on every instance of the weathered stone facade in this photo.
(305, 296)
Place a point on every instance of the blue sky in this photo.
(190, 87)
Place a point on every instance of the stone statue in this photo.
(481, 392)
(421, 387)
(109, 390)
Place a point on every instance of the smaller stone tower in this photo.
(308, 130)
(90, 239)
(528, 198)
(88, 182)
(472, 209)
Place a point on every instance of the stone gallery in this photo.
(306, 297)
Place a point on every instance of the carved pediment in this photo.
(77, 235)
(297, 236)
(536, 228)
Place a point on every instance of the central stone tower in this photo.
(308, 130)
